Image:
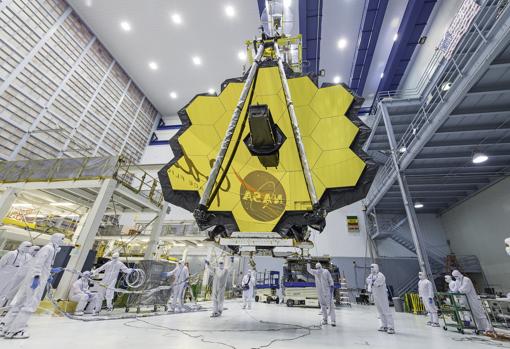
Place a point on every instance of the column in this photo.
(184, 255)
(421, 253)
(6, 200)
(151, 253)
(87, 236)
(79, 228)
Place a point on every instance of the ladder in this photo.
(345, 299)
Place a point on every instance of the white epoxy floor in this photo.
(356, 328)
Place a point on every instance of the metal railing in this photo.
(434, 91)
(139, 181)
(86, 168)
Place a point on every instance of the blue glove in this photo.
(163, 275)
(431, 301)
(35, 282)
(56, 270)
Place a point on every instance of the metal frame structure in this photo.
(61, 92)
(476, 54)
(419, 126)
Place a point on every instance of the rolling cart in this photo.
(456, 312)
(267, 285)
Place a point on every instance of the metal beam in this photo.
(50, 102)
(490, 90)
(414, 226)
(464, 143)
(86, 109)
(477, 67)
(115, 111)
(90, 183)
(132, 125)
(460, 112)
(157, 227)
(456, 155)
(6, 200)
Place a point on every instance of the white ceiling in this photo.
(341, 20)
(205, 31)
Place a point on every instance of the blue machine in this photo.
(268, 282)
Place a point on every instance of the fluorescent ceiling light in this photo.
(382, 75)
(241, 55)
(230, 11)
(395, 37)
(478, 158)
(125, 25)
(418, 205)
(446, 86)
(176, 18)
(173, 95)
(197, 60)
(153, 65)
(337, 79)
(342, 43)
(61, 204)
(211, 91)
(403, 149)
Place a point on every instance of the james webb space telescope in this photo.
(270, 155)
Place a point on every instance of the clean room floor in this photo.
(266, 326)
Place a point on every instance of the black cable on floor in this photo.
(188, 332)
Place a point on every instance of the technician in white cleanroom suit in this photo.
(31, 290)
(107, 284)
(181, 276)
(33, 250)
(80, 293)
(248, 285)
(220, 274)
(451, 283)
(325, 289)
(10, 276)
(376, 283)
(426, 292)
(466, 287)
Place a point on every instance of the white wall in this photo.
(161, 154)
(444, 13)
(479, 226)
(335, 241)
